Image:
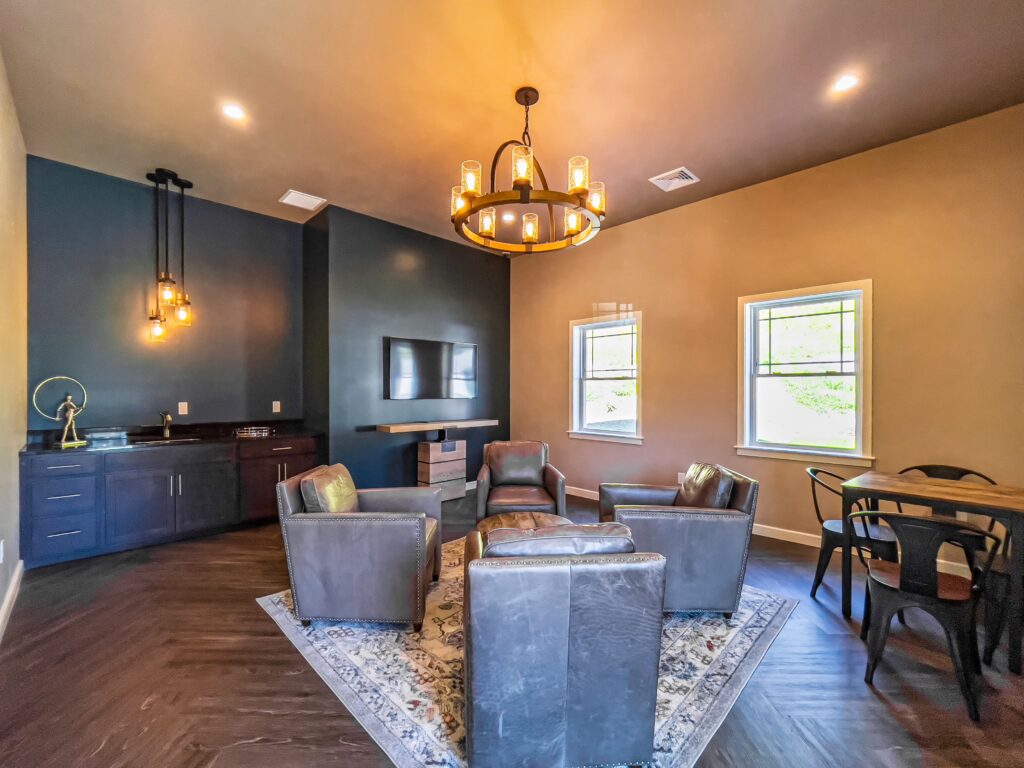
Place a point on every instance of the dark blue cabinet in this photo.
(140, 507)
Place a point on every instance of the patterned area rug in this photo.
(406, 688)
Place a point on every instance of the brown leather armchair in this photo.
(702, 528)
(372, 565)
(546, 615)
(516, 477)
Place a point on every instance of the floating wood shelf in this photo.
(434, 426)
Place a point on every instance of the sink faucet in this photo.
(166, 416)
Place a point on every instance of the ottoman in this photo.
(521, 521)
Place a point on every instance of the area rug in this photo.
(406, 689)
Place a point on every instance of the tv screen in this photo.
(417, 369)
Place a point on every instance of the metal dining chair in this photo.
(915, 582)
(882, 543)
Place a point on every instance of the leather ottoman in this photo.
(521, 521)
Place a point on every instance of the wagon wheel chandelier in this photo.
(583, 205)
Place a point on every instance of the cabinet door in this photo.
(207, 496)
(140, 506)
(296, 465)
(259, 479)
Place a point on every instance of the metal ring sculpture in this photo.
(44, 382)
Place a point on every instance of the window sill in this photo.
(606, 437)
(827, 457)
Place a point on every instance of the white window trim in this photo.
(861, 457)
(574, 371)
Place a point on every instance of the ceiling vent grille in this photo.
(301, 200)
(680, 177)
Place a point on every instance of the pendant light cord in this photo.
(167, 228)
(526, 127)
(181, 217)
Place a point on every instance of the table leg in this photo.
(1015, 613)
(847, 555)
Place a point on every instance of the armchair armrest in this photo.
(554, 484)
(611, 495)
(425, 500)
(483, 490)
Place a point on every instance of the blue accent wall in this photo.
(366, 279)
(90, 275)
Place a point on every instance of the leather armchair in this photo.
(705, 544)
(372, 565)
(547, 681)
(516, 477)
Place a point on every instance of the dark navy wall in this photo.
(91, 287)
(387, 280)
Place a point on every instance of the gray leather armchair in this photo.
(516, 477)
(702, 528)
(562, 644)
(372, 565)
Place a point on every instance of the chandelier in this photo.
(583, 204)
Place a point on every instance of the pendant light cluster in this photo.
(172, 307)
(583, 203)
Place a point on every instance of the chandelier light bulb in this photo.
(573, 222)
(166, 290)
(488, 222)
(157, 328)
(522, 166)
(579, 175)
(596, 198)
(471, 178)
(458, 199)
(531, 228)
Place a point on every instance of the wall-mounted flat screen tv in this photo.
(417, 369)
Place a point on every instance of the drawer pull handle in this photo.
(285, 448)
(65, 466)
(65, 533)
(65, 496)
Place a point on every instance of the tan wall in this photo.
(936, 221)
(13, 324)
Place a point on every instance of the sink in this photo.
(163, 440)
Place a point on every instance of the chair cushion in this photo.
(600, 539)
(519, 462)
(705, 485)
(329, 489)
(520, 498)
(950, 587)
(521, 520)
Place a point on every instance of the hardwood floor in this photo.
(161, 657)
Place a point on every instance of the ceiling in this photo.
(373, 104)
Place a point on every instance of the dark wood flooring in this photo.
(161, 657)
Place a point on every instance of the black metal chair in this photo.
(915, 582)
(882, 543)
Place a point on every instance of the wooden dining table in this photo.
(1002, 502)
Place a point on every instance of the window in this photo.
(606, 379)
(805, 372)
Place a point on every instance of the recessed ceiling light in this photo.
(508, 216)
(845, 83)
(302, 200)
(234, 111)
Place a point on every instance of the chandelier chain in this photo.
(526, 127)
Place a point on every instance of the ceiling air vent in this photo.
(670, 180)
(301, 200)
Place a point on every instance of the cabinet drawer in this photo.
(279, 446)
(163, 456)
(56, 464)
(53, 536)
(61, 495)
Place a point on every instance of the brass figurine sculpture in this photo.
(67, 412)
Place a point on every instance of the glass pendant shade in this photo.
(472, 181)
(183, 311)
(522, 166)
(458, 199)
(157, 328)
(488, 222)
(531, 228)
(579, 175)
(596, 198)
(166, 290)
(573, 222)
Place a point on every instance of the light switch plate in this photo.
(1, 551)
(183, 409)
(680, 477)
(275, 406)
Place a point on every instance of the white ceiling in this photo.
(373, 104)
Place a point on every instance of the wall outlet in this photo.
(680, 477)
(275, 406)
(183, 409)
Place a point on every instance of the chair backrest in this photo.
(947, 472)
(289, 494)
(920, 539)
(561, 659)
(516, 462)
(744, 492)
(830, 481)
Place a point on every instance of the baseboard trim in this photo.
(582, 493)
(7, 608)
(471, 485)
